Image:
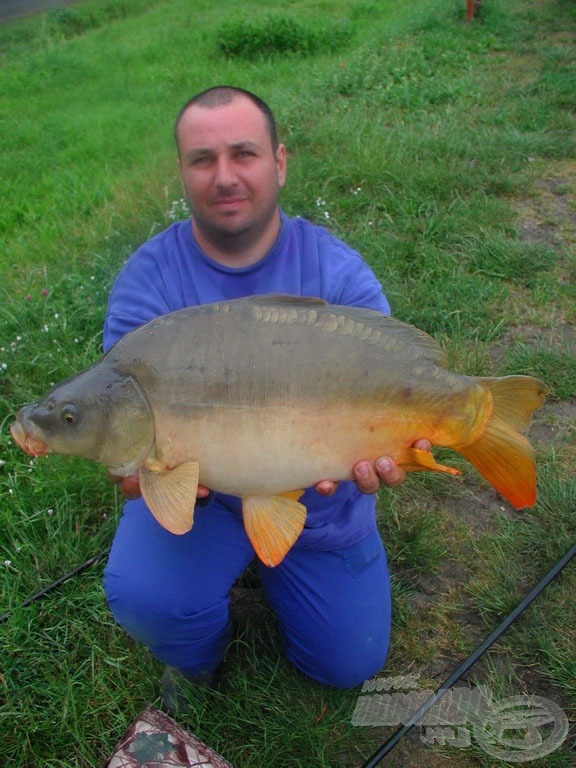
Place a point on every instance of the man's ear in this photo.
(281, 164)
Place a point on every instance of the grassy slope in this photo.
(420, 143)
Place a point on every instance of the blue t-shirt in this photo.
(170, 272)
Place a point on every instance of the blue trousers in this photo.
(172, 594)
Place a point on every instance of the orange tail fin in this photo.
(503, 455)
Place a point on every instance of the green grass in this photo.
(423, 142)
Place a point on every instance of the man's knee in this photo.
(342, 669)
(153, 616)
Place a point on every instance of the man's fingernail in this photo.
(384, 465)
(363, 471)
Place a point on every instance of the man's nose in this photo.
(225, 173)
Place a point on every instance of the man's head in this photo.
(232, 170)
(220, 95)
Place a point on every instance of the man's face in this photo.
(229, 171)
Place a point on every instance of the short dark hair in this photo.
(218, 96)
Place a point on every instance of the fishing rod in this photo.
(389, 745)
(74, 572)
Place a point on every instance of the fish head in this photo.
(99, 414)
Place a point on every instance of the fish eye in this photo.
(69, 413)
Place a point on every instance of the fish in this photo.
(264, 396)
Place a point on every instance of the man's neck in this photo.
(238, 251)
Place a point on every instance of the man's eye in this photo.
(200, 161)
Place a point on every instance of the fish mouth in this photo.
(27, 442)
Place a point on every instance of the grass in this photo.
(446, 154)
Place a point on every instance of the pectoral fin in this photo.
(171, 494)
(419, 460)
(273, 523)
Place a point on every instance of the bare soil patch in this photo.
(548, 216)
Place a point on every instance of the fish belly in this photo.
(250, 451)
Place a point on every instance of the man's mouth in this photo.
(229, 202)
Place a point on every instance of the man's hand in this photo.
(368, 476)
(130, 486)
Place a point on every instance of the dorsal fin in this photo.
(283, 298)
(368, 325)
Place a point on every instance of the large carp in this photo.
(264, 396)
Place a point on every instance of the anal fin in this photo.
(171, 494)
(424, 460)
(273, 523)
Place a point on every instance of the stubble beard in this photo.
(235, 237)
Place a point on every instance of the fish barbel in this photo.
(265, 396)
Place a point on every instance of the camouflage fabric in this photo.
(155, 740)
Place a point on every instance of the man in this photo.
(331, 593)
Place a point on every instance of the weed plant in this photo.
(276, 35)
(423, 142)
